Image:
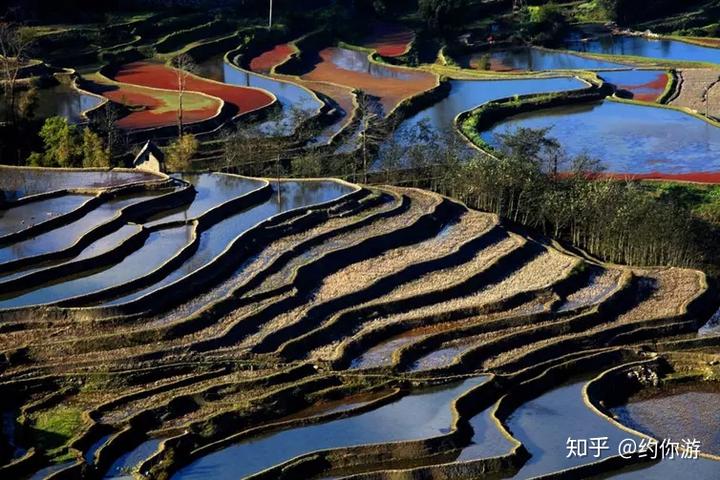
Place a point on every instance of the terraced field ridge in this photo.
(217, 326)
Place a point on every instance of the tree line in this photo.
(529, 181)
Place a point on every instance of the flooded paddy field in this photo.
(64, 236)
(160, 247)
(531, 59)
(297, 103)
(21, 217)
(62, 101)
(214, 240)
(416, 416)
(21, 182)
(388, 39)
(642, 85)
(354, 69)
(628, 139)
(638, 46)
(676, 412)
(211, 191)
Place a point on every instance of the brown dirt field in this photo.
(674, 286)
(700, 85)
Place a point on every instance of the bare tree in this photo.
(14, 46)
(372, 132)
(106, 123)
(184, 67)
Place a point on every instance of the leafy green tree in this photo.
(179, 153)
(440, 14)
(548, 24)
(308, 165)
(95, 154)
(60, 140)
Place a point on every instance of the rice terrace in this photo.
(360, 239)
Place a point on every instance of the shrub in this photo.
(64, 146)
(180, 153)
(307, 165)
(61, 145)
(54, 427)
(95, 154)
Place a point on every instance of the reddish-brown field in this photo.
(161, 76)
(265, 62)
(693, 177)
(389, 39)
(150, 114)
(391, 85)
(151, 108)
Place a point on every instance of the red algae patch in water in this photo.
(389, 39)
(161, 76)
(266, 61)
(649, 91)
(390, 84)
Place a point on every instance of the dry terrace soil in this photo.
(699, 90)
